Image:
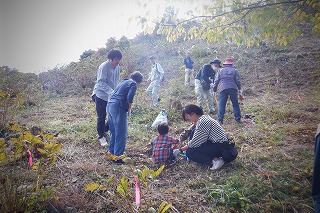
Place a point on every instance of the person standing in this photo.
(188, 78)
(119, 106)
(155, 78)
(108, 75)
(230, 86)
(206, 76)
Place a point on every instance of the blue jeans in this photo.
(223, 98)
(102, 125)
(118, 125)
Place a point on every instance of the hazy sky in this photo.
(40, 34)
(37, 35)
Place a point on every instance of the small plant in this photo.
(22, 188)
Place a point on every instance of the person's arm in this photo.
(216, 82)
(237, 79)
(131, 94)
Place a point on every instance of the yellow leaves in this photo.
(2, 143)
(91, 187)
(53, 147)
(15, 127)
(296, 188)
(42, 151)
(164, 207)
(3, 157)
(122, 188)
(31, 138)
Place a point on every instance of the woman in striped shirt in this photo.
(209, 143)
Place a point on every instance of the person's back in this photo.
(228, 77)
(163, 145)
(229, 81)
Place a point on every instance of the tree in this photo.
(86, 54)
(124, 42)
(111, 43)
(241, 22)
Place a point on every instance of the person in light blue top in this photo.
(155, 78)
(108, 76)
(119, 106)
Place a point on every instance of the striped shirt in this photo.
(162, 147)
(207, 129)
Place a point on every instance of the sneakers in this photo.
(217, 164)
(103, 141)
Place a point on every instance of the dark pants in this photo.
(205, 153)
(101, 108)
(223, 98)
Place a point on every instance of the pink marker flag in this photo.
(298, 95)
(138, 200)
(30, 158)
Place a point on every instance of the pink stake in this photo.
(298, 95)
(138, 200)
(30, 158)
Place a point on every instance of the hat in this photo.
(228, 61)
(215, 61)
(152, 57)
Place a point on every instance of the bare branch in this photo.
(250, 8)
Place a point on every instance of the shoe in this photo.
(159, 99)
(119, 162)
(217, 164)
(103, 141)
(238, 121)
(220, 122)
(211, 111)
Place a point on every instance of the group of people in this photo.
(211, 74)
(208, 143)
(116, 99)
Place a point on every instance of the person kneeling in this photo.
(208, 143)
(163, 145)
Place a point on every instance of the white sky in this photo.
(37, 35)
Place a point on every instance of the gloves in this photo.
(176, 152)
(240, 95)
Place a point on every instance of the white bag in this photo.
(161, 118)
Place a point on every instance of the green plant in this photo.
(24, 189)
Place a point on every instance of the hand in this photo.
(176, 152)
(240, 92)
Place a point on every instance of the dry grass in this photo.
(273, 172)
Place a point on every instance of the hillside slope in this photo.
(273, 172)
